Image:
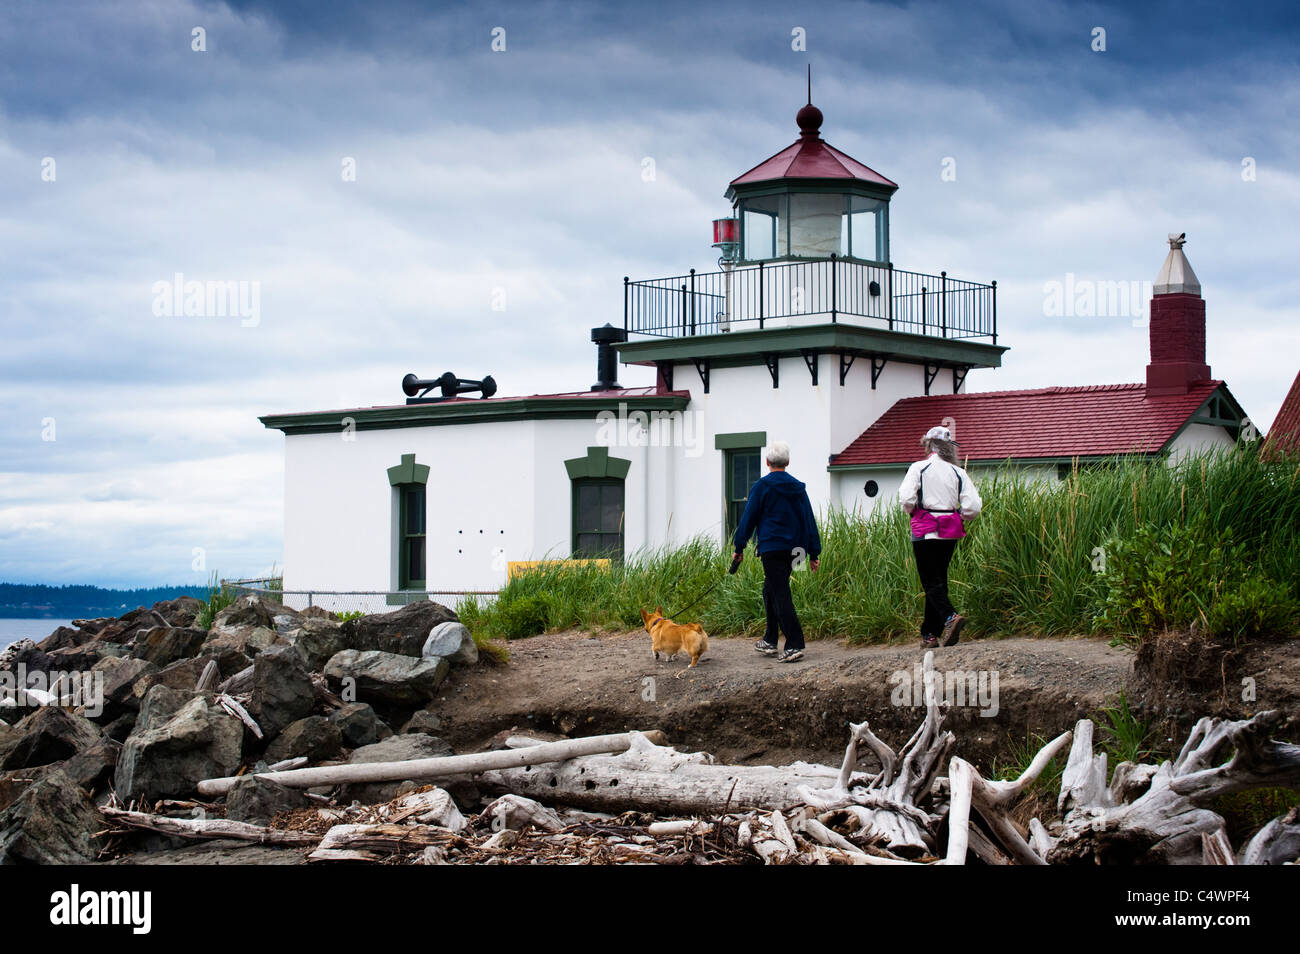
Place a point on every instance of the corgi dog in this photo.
(673, 638)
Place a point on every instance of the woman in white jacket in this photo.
(939, 496)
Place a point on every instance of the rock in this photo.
(398, 748)
(120, 675)
(181, 611)
(282, 690)
(234, 649)
(252, 612)
(453, 642)
(168, 754)
(316, 737)
(25, 653)
(422, 720)
(286, 622)
(359, 725)
(65, 637)
(52, 823)
(80, 658)
(388, 678)
(317, 640)
(49, 734)
(93, 768)
(317, 612)
(182, 674)
(258, 800)
(163, 645)
(403, 631)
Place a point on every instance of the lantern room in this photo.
(811, 201)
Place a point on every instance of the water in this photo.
(12, 630)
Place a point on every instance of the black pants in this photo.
(777, 600)
(932, 559)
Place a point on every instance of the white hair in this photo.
(778, 454)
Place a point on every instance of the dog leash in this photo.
(669, 616)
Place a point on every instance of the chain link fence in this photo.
(351, 601)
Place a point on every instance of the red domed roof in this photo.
(811, 157)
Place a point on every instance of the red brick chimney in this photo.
(1177, 327)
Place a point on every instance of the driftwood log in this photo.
(1170, 822)
(444, 767)
(654, 778)
(207, 828)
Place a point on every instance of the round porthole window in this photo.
(871, 488)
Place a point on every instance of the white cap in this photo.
(938, 434)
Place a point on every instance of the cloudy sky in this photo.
(129, 436)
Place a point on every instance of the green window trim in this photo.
(597, 463)
(740, 440)
(408, 472)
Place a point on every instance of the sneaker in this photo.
(952, 629)
(764, 647)
(790, 655)
(929, 642)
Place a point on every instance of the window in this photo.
(598, 518)
(741, 468)
(412, 524)
(409, 569)
(597, 507)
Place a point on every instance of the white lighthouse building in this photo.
(806, 332)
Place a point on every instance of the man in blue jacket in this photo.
(779, 510)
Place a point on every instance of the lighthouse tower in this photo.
(806, 332)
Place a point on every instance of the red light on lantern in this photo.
(726, 231)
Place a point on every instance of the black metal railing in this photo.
(821, 290)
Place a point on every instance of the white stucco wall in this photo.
(497, 492)
(1199, 438)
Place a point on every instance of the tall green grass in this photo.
(1030, 564)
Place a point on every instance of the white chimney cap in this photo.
(1176, 275)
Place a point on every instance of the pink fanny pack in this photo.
(949, 526)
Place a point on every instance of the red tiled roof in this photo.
(1096, 420)
(1284, 435)
(812, 159)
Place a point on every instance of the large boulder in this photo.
(80, 658)
(163, 645)
(180, 739)
(282, 690)
(65, 637)
(51, 823)
(398, 748)
(258, 800)
(49, 734)
(386, 678)
(453, 642)
(182, 674)
(359, 725)
(317, 640)
(120, 675)
(403, 631)
(315, 737)
(234, 649)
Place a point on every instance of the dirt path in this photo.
(747, 708)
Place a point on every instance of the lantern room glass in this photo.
(813, 225)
